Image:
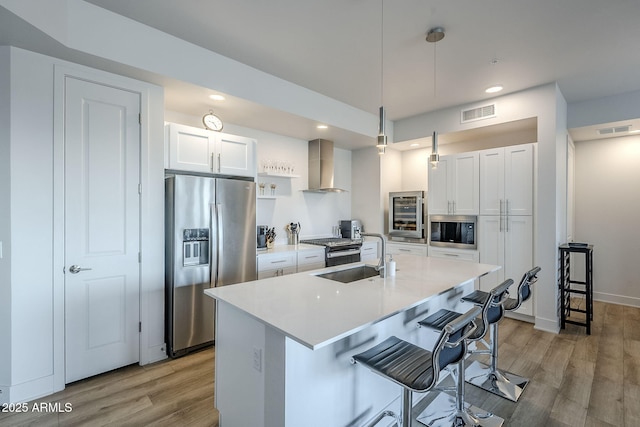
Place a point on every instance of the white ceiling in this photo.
(335, 47)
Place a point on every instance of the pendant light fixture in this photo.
(382, 136)
(434, 36)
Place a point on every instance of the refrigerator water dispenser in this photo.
(195, 246)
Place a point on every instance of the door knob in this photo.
(75, 269)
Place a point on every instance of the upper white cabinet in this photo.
(506, 180)
(200, 150)
(454, 185)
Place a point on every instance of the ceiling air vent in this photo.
(614, 130)
(479, 113)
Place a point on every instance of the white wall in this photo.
(5, 224)
(415, 170)
(366, 203)
(607, 206)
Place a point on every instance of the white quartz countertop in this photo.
(316, 312)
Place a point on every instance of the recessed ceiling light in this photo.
(415, 144)
(322, 127)
(217, 97)
(494, 89)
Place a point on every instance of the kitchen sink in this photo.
(351, 274)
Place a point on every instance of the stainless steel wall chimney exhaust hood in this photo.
(321, 167)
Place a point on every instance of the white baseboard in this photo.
(154, 354)
(29, 390)
(616, 299)
(547, 325)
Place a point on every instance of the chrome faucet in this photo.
(380, 267)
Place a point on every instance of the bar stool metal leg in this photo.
(439, 413)
(491, 379)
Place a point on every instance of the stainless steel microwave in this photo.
(453, 231)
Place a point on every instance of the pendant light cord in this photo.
(381, 52)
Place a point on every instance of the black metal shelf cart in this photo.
(568, 288)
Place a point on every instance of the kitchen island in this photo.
(283, 344)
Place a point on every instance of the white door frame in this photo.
(151, 213)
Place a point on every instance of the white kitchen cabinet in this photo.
(506, 180)
(506, 241)
(454, 185)
(395, 248)
(276, 264)
(200, 150)
(454, 253)
(369, 251)
(311, 259)
(236, 155)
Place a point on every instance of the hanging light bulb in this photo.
(434, 158)
(382, 136)
(434, 36)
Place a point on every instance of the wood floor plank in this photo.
(606, 402)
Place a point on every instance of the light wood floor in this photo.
(576, 380)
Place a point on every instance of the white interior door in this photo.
(102, 228)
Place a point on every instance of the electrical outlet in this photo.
(257, 359)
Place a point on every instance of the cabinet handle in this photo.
(453, 255)
(311, 257)
(404, 250)
(279, 261)
(218, 163)
(212, 163)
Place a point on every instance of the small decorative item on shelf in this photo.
(261, 186)
(273, 189)
(271, 237)
(277, 167)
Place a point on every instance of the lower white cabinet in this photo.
(310, 259)
(453, 253)
(508, 242)
(276, 264)
(395, 248)
(369, 251)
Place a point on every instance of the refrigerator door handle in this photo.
(218, 242)
(213, 246)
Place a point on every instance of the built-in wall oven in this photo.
(453, 231)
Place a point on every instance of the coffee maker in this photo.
(261, 231)
(351, 228)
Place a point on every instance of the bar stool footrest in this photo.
(500, 383)
(442, 412)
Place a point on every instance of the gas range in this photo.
(333, 242)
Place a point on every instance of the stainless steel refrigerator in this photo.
(210, 240)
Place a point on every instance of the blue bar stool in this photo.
(414, 368)
(490, 378)
(445, 409)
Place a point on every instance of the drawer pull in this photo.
(279, 261)
(453, 255)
